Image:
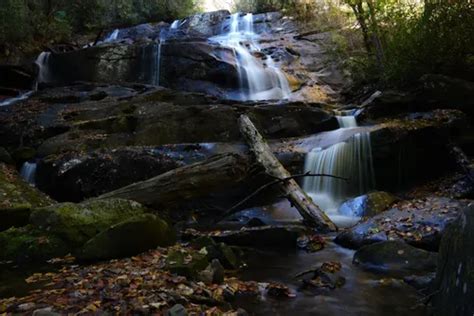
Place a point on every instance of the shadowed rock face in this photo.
(454, 285)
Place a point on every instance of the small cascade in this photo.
(175, 25)
(28, 172)
(43, 61)
(351, 159)
(14, 100)
(347, 121)
(260, 79)
(157, 49)
(112, 37)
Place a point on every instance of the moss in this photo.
(28, 244)
(18, 198)
(77, 223)
(186, 263)
(129, 238)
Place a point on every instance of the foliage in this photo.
(406, 40)
(23, 21)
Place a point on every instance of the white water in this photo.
(28, 172)
(352, 160)
(112, 36)
(347, 121)
(14, 100)
(175, 25)
(259, 79)
(44, 74)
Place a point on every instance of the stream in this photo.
(364, 293)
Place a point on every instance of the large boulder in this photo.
(92, 230)
(454, 292)
(132, 236)
(395, 257)
(420, 223)
(77, 223)
(77, 176)
(368, 205)
(18, 198)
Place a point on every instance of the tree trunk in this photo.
(186, 183)
(311, 213)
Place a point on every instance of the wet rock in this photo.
(186, 263)
(368, 205)
(213, 274)
(395, 257)
(420, 223)
(77, 223)
(77, 176)
(326, 277)
(23, 154)
(454, 284)
(403, 148)
(18, 199)
(420, 282)
(206, 24)
(219, 251)
(128, 238)
(177, 310)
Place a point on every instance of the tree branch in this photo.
(236, 208)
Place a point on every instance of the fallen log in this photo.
(311, 213)
(186, 183)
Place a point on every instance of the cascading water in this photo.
(112, 36)
(259, 80)
(175, 25)
(43, 61)
(28, 172)
(351, 159)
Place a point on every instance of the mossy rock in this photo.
(18, 199)
(129, 238)
(368, 205)
(77, 223)
(27, 244)
(187, 263)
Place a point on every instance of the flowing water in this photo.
(14, 100)
(352, 160)
(112, 36)
(174, 25)
(260, 78)
(28, 172)
(364, 292)
(43, 63)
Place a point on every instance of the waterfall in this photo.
(112, 36)
(175, 25)
(28, 172)
(351, 159)
(260, 78)
(347, 121)
(42, 61)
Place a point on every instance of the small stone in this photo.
(26, 307)
(177, 310)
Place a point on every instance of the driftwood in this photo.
(311, 213)
(238, 207)
(186, 183)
